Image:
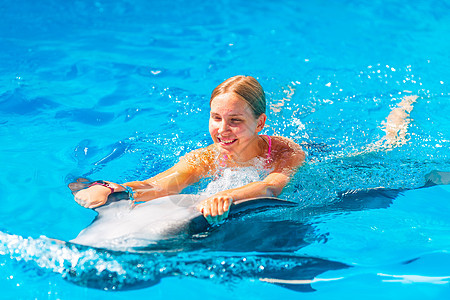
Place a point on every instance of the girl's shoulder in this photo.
(202, 156)
(281, 143)
(286, 152)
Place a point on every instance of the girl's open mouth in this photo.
(226, 142)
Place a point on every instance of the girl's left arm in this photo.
(216, 208)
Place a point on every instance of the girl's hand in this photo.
(215, 209)
(92, 197)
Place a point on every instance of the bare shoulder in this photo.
(287, 152)
(201, 158)
(283, 144)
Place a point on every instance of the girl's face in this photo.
(233, 127)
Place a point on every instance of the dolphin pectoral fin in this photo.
(79, 184)
(198, 224)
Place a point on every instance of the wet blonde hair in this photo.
(248, 88)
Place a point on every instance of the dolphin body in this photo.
(120, 225)
(171, 222)
(172, 225)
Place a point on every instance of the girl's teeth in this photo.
(227, 142)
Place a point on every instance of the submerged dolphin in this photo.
(171, 222)
(122, 226)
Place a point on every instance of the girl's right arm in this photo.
(172, 181)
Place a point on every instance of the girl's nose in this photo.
(223, 126)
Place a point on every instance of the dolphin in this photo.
(167, 232)
(171, 222)
(121, 225)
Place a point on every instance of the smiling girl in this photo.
(237, 117)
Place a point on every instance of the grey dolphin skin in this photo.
(122, 226)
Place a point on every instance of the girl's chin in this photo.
(225, 148)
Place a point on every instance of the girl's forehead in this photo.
(229, 103)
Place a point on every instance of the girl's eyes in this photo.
(232, 120)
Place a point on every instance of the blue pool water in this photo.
(119, 90)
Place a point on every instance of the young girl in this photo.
(237, 116)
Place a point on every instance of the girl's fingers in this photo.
(207, 213)
(226, 205)
(220, 208)
(215, 209)
(86, 203)
(205, 210)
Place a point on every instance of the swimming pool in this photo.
(118, 90)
